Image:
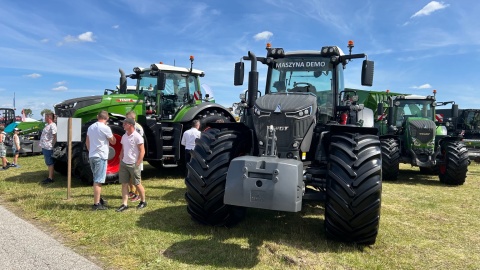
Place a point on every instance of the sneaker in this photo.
(13, 165)
(8, 164)
(99, 206)
(135, 198)
(103, 202)
(47, 181)
(122, 208)
(142, 205)
(5, 168)
(131, 194)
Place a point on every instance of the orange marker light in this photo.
(191, 57)
(388, 91)
(269, 45)
(160, 62)
(350, 43)
(434, 91)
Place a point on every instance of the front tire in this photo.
(454, 166)
(390, 159)
(354, 188)
(207, 173)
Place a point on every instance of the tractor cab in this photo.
(7, 116)
(166, 89)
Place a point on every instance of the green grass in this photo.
(424, 225)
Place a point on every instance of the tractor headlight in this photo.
(415, 142)
(431, 143)
(259, 112)
(301, 113)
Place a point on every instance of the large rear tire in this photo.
(207, 173)
(390, 159)
(454, 166)
(354, 188)
(61, 167)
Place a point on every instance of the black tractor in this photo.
(298, 141)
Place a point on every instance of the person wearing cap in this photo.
(131, 157)
(133, 193)
(99, 134)
(15, 147)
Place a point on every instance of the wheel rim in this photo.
(113, 165)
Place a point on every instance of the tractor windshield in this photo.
(302, 74)
(412, 108)
(179, 91)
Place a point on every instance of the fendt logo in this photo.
(281, 128)
(128, 100)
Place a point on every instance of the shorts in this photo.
(128, 171)
(99, 169)
(47, 155)
(3, 153)
(15, 151)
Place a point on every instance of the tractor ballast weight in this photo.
(294, 143)
(165, 98)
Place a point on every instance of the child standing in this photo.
(15, 147)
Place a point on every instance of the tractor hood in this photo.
(281, 103)
(422, 129)
(68, 107)
(293, 117)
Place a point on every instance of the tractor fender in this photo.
(194, 111)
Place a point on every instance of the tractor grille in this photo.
(423, 130)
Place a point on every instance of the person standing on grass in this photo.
(47, 141)
(99, 134)
(189, 137)
(15, 147)
(3, 149)
(133, 193)
(131, 157)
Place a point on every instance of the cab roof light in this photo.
(274, 52)
(350, 46)
(330, 51)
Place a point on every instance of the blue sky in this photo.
(55, 50)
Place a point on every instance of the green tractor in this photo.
(166, 99)
(29, 134)
(294, 143)
(411, 135)
(467, 125)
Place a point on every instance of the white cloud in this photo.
(429, 8)
(60, 88)
(85, 37)
(61, 83)
(33, 75)
(116, 26)
(265, 35)
(423, 86)
(45, 40)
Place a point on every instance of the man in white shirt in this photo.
(131, 156)
(189, 137)
(99, 135)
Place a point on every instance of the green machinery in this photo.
(166, 99)
(29, 134)
(410, 133)
(466, 125)
(295, 142)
